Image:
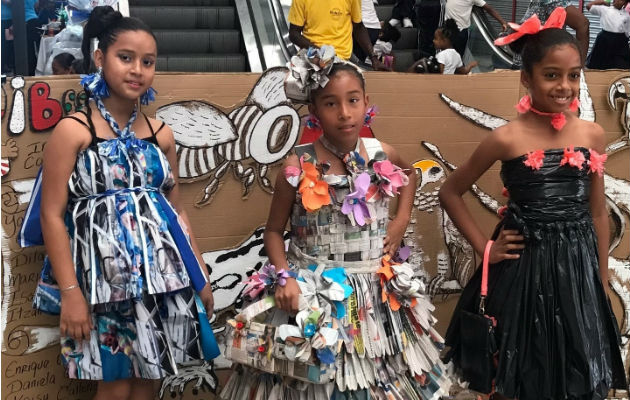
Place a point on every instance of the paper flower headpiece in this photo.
(309, 69)
(532, 26)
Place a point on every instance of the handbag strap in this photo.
(484, 277)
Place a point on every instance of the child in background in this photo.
(547, 289)
(335, 194)
(449, 59)
(385, 44)
(62, 64)
(611, 49)
(121, 264)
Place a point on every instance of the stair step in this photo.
(183, 3)
(198, 41)
(202, 63)
(404, 59)
(408, 39)
(169, 17)
(385, 2)
(384, 12)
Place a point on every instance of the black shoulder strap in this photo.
(153, 133)
(92, 129)
(89, 124)
(78, 120)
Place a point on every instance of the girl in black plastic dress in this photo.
(548, 282)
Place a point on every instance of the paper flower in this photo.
(596, 162)
(354, 162)
(292, 175)
(369, 115)
(313, 190)
(390, 177)
(535, 159)
(532, 26)
(325, 291)
(573, 158)
(398, 284)
(524, 104)
(268, 276)
(354, 204)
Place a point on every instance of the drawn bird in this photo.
(454, 266)
(619, 92)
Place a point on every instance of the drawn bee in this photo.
(209, 142)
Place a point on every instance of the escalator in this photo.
(484, 30)
(265, 30)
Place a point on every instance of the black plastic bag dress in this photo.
(557, 335)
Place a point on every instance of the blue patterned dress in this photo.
(133, 262)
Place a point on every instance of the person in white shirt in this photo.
(372, 25)
(460, 10)
(610, 49)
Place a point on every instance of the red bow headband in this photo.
(532, 26)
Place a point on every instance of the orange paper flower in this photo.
(387, 274)
(314, 191)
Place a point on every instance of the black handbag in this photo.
(478, 347)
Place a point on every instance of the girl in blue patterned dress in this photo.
(119, 252)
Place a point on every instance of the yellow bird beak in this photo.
(425, 165)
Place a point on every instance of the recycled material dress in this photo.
(556, 333)
(378, 351)
(133, 262)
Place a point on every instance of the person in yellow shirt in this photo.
(314, 23)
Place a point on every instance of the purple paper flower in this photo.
(266, 277)
(354, 203)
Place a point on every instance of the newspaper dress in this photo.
(374, 335)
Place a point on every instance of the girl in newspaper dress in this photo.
(363, 327)
(121, 265)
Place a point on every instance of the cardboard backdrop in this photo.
(233, 130)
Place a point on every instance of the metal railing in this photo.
(265, 33)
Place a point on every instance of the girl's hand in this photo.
(287, 296)
(395, 231)
(207, 298)
(75, 319)
(507, 241)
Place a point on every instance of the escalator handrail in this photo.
(481, 20)
(250, 36)
(282, 30)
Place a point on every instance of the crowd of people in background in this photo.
(443, 31)
(41, 19)
(354, 29)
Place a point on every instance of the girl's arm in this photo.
(60, 155)
(464, 70)
(596, 3)
(599, 212)
(279, 212)
(495, 15)
(166, 141)
(398, 225)
(459, 181)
